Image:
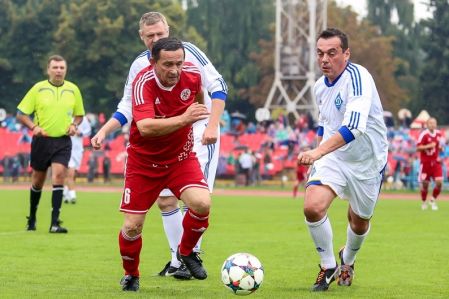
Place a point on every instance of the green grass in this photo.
(405, 255)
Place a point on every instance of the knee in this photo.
(167, 203)
(132, 229)
(314, 211)
(202, 206)
(359, 227)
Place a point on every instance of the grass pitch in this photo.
(405, 255)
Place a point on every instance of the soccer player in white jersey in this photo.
(76, 156)
(153, 26)
(350, 158)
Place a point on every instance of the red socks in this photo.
(436, 192)
(194, 226)
(130, 251)
(423, 194)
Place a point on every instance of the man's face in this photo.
(432, 124)
(331, 58)
(168, 67)
(150, 34)
(56, 71)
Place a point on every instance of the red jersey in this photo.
(150, 99)
(425, 138)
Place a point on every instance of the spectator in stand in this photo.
(106, 168)
(246, 165)
(301, 175)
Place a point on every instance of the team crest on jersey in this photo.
(185, 94)
(338, 101)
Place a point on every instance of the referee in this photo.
(58, 109)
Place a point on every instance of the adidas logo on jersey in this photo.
(157, 101)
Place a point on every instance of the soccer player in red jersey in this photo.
(167, 99)
(430, 144)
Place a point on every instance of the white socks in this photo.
(353, 244)
(321, 232)
(172, 222)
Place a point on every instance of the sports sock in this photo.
(72, 194)
(197, 247)
(35, 196)
(423, 194)
(65, 193)
(321, 232)
(130, 251)
(436, 192)
(194, 226)
(172, 222)
(56, 201)
(353, 244)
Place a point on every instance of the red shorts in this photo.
(144, 183)
(430, 170)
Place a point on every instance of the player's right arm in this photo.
(27, 107)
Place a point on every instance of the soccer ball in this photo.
(242, 273)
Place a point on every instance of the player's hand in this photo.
(308, 157)
(71, 131)
(97, 140)
(195, 112)
(432, 145)
(39, 132)
(210, 135)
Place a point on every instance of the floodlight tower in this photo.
(297, 24)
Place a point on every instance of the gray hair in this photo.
(151, 18)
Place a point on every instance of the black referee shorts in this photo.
(47, 150)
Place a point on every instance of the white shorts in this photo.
(207, 156)
(75, 159)
(362, 194)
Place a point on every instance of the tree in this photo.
(368, 48)
(435, 75)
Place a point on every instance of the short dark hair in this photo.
(55, 58)
(167, 44)
(332, 32)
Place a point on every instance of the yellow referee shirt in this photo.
(53, 106)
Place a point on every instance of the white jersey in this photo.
(212, 81)
(76, 155)
(352, 100)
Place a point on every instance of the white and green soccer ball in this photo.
(242, 273)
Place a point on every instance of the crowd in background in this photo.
(280, 144)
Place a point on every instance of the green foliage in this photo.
(86, 263)
(99, 39)
(232, 30)
(435, 74)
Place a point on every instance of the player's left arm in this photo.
(214, 84)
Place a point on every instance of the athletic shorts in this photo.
(362, 194)
(143, 183)
(430, 170)
(48, 150)
(207, 156)
(75, 159)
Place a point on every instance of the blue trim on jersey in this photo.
(120, 117)
(355, 78)
(320, 131)
(346, 134)
(315, 183)
(354, 120)
(219, 95)
(328, 84)
(224, 86)
(196, 53)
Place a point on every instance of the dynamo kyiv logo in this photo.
(338, 101)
